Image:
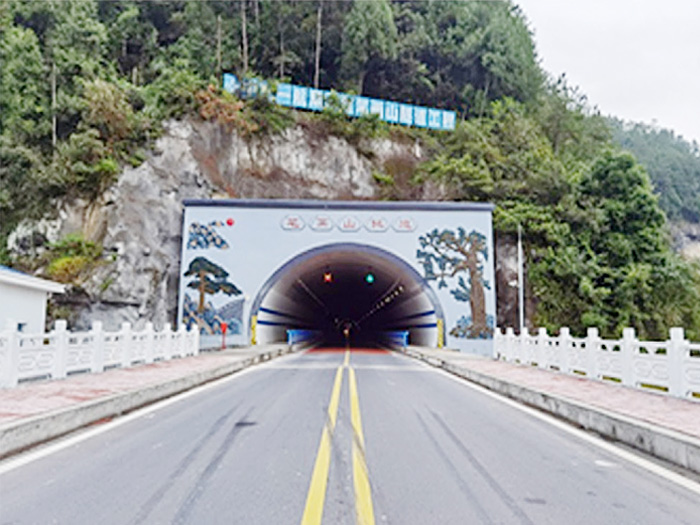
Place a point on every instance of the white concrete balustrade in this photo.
(671, 366)
(60, 353)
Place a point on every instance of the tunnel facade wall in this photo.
(434, 260)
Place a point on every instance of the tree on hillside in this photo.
(132, 39)
(500, 156)
(575, 129)
(613, 266)
(446, 254)
(72, 40)
(459, 55)
(209, 278)
(369, 34)
(23, 100)
(673, 165)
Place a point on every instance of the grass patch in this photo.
(67, 269)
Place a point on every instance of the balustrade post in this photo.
(677, 349)
(149, 340)
(592, 350)
(542, 342)
(60, 334)
(126, 356)
(522, 347)
(564, 349)
(11, 376)
(627, 351)
(182, 340)
(509, 344)
(167, 341)
(195, 341)
(98, 347)
(527, 345)
(497, 343)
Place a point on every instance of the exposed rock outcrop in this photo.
(686, 239)
(138, 220)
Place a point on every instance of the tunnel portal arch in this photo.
(327, 285)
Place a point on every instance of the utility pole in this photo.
(521, 293)
(218, 48)
(244, 36)
(54, 138)
(279, 30)
(317, 69)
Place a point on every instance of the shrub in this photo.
(68, 269)
(72, 258)
(225, 109)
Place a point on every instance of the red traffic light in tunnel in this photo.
(327, 277)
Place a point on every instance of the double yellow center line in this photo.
(364, 511)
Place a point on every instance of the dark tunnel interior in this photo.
(351, 294)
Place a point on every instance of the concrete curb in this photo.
(27, 432)
(675, 447)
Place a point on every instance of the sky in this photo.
(638, 60)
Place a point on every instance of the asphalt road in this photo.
(370, 437)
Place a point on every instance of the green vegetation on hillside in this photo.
(673, 165)
(86, 84)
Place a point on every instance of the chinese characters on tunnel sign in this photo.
(349, 223)
(322, 223)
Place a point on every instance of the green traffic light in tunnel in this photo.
(369, 278)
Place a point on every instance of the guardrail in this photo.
(59, 353)
(671, 366)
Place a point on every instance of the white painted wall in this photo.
(22, 305)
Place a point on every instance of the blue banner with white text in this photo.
(300, 97)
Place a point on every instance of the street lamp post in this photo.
(521, 294)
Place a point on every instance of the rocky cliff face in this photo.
(686, 239)
(138, 220)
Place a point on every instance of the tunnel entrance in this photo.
(349, 293)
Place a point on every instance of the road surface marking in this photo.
(639, 461)
(59, 444)
(313, 511)
(363, 492)
(347, 359)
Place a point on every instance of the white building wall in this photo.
(22, 305)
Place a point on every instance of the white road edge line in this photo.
(645, 464)
(30, 456)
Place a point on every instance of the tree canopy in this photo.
(673, 165)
